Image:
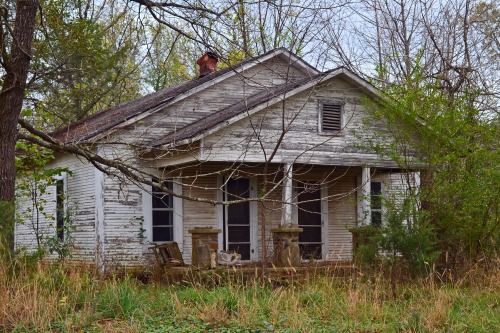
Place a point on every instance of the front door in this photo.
(309, 219)
(237, 231)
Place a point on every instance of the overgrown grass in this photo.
(63, 298)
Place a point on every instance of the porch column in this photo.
(286, 217)
(365, 196)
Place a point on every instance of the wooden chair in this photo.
(167, 254)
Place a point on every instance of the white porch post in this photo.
(100, 251)
(365, 196)
(286, 217)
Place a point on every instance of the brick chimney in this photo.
(207, 63)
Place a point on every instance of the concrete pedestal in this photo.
(286, 247)
(204, 247)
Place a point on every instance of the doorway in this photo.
(237, 235)
(309, 218)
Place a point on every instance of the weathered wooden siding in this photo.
(123, 218)
(198, 214)
(243, 140)
(81, 205)
(207, 101)
(397, 187)
(25, 235)
(342, 213)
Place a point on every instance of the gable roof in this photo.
(215, 121)
(218, 117)
(107, 119)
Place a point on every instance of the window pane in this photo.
(60, 208)
(310, 234)
(162, 234)
(376, 202)
(166, 183)
(239, 213)
(376, 188)
(310, 251)
(243, 249)
(238, 234)
(376, 218)
(309, 204)
(162, 201)
(239, 187)
(162, 217)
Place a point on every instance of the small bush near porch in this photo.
(62, 298)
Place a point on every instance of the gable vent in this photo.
(331, 117)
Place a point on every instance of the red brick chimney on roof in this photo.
(207, 63)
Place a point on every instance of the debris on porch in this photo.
(229, 259)
(253, 271)
(167, 254)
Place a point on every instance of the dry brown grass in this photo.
(65, 298)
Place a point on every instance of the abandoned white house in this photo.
(208, 140)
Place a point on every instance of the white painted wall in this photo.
(80, 203)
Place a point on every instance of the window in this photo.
(376, 203)
(163, 214)
(60, 208)
(309, 218)
(237, 224)
(331, 117)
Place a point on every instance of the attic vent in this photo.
(331, 118)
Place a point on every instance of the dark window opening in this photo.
(163, 214)
(309, 219)
(237, 224)
(331, 117)
(376, 203)
(60, 209)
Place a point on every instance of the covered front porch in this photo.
(318, 203)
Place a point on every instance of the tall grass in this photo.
(59, 297)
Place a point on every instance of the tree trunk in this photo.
(12, 95)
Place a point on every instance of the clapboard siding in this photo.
(237, 150)
(301, 143)
(209, 100)
(198, 214)
(81, 205)
(123, 218)
(342, 213)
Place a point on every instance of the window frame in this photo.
(222, 214)
(177, 214)
(321, 105)
(378, 209)
(59, 229)
(324, 190)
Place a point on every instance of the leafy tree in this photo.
(84, 60)
(456, 146)
(170, 58)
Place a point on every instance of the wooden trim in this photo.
(365, 195)
(63, 176)
(147, 212)
(254, 223)
(100, 244)
(324, 222)
(287, 213)
(220, 212)
(178, 213)
(321, 105)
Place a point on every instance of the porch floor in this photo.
(253, 271)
